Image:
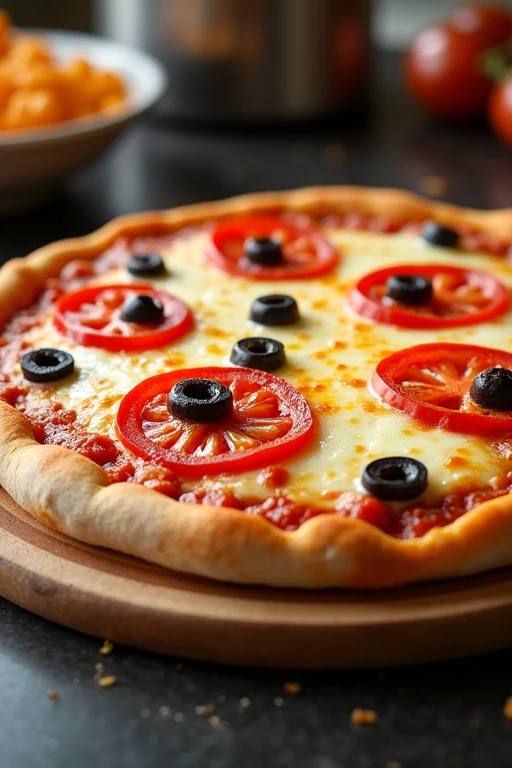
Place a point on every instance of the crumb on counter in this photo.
(292, 689)
(53, 695)
(108, 681)
(361, 717)
(433, 185)
(205, 709)
(507, 709)
(106, 648)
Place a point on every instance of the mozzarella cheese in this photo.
(331, 355)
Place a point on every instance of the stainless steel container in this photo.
(250, 59)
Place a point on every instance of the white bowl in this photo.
(33, 161)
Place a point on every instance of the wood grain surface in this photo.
(113, 596)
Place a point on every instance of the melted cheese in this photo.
(331, 356)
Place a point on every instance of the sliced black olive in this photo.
(47, 364)
(263, 250)
(143, 309)
(395, 478)
(200, 400)
(275, 309)
(258, 352)
(409, 289)
(435, 234)
(145, 265)
(493, 389)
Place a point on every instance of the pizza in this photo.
(307, 389)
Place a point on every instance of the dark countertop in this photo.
(445, 715)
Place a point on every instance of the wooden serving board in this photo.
(129, 601)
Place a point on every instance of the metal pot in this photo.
(250, 59)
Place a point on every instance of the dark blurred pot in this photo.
(250, 59)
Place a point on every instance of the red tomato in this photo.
(491, 24)
(269, 422)
(500, 111)
(91, 317)
(431, 382)
(460, 297)
(305, 251)
(442, 72)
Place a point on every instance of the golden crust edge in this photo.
(222, 543)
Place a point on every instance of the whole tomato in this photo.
(442, 72)
(491, 24)
(500, 111)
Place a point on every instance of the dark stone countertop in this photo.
(445, 715)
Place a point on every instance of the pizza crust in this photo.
(72, 494)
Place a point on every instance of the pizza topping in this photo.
(144, 309)
(433, 383)
(395, 478)
(429, 296)
(275, 309)
(271, 248)
(435, 234)
(263, 250)
(269, 421)
(146, 265)
(201, 400)
(47, 364)
(493, 389)
(116, 317)
(258, 352)
(409, 289)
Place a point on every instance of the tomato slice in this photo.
(269, 422)
(305, 251)
(460, 297)
(431, 382)
(92, 317)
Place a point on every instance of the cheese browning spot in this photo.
(455, 462)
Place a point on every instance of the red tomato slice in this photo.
(91, 317)
(270, 421)
(306, 252)
(460, 297)
(431, 382)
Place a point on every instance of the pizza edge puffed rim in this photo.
(72, 494)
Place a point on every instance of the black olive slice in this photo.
(409, 289)
(47, 365)
(493, 389)
(435, 234)
(395, 478)
(258, 352)
(201, 400)
(275, 309)
(263, 250)
(143, 309)
(145, 265)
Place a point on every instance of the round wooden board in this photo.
(128, 601)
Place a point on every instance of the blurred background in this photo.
(274, 94)
(394, 22)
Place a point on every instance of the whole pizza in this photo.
(309, 389)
